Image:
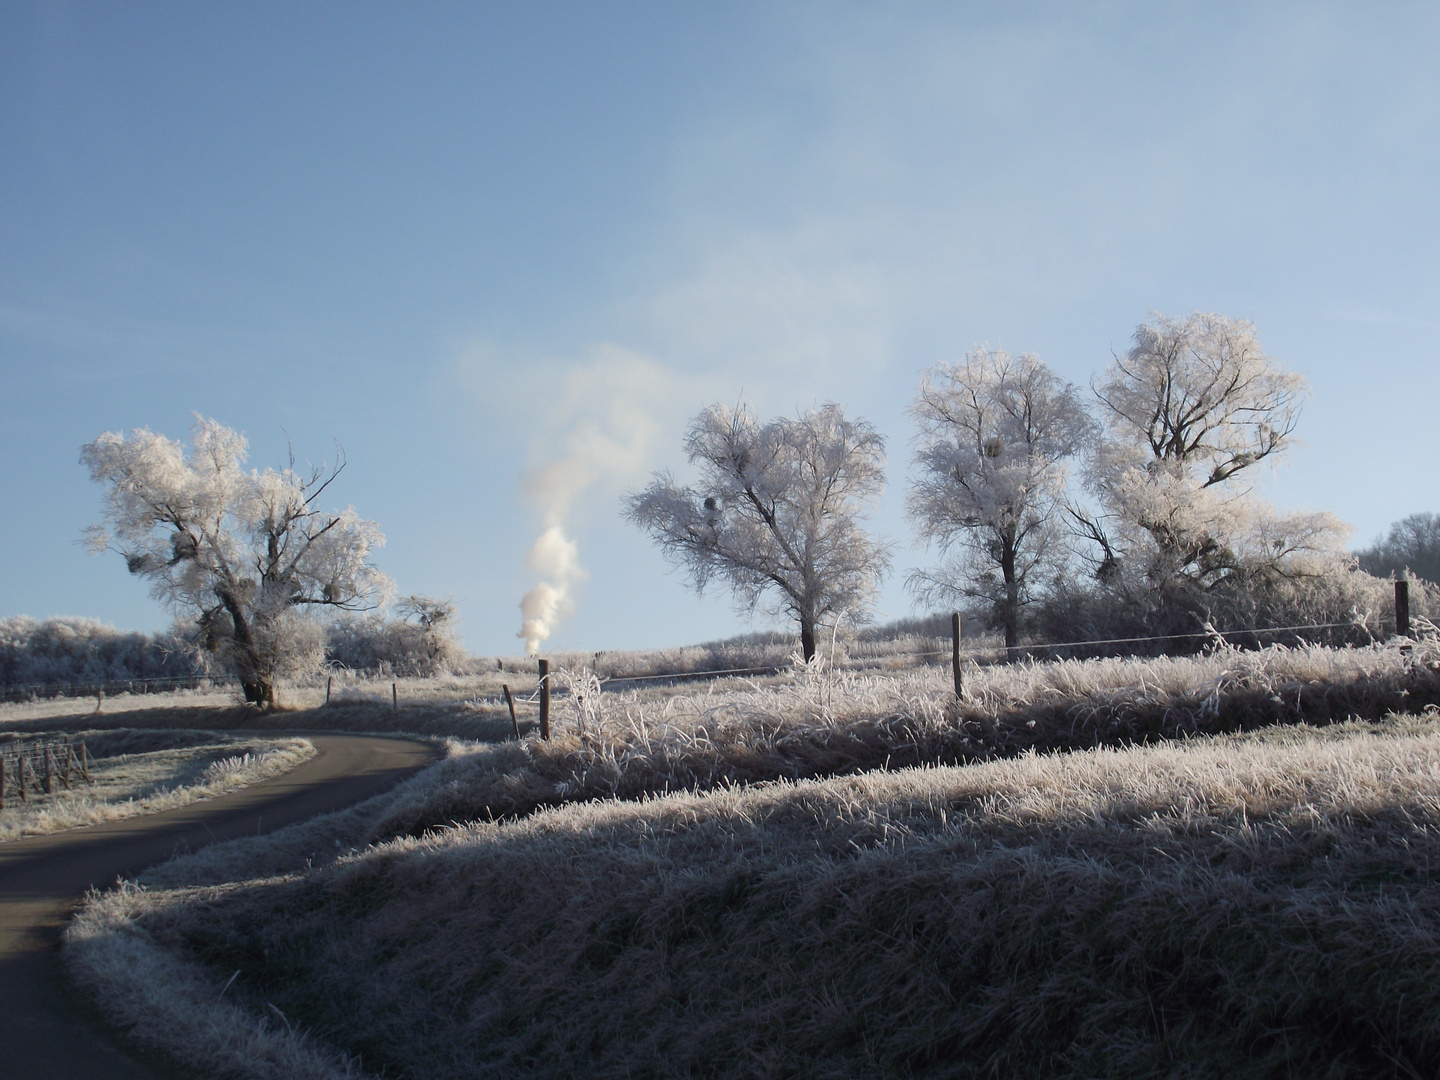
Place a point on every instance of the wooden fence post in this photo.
(511, 703)
(955, 654)
(1402, 607)
(328, 680)
(85, 764)
(49, 772)
(20, 762)
(544, 699)
(394, 700)
(2, 780)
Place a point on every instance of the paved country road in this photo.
(46, 1029)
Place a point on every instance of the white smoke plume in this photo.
(557, 559)
(605, 421)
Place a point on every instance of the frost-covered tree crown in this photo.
(995, 432)
(1201, 395)
(775, 512)
(243, 552)
(1193, 405)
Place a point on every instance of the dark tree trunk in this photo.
(258, 687)
(807, 639)
(261, 692)
(1011, 614)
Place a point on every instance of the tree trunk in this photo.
(261, 692)
(259, 688)
(1011, 614)
(807, 638)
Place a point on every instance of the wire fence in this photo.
(40, 766)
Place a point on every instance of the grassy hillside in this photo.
(1242, 906)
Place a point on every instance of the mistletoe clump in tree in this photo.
(775, 512)
(245, 554)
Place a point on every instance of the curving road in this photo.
(46, 1030)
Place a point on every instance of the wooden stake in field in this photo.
(545, 699)
(511, 703)
(328, 680)
(394, 700)
(955, 654)
(1402, 607)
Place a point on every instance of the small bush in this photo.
(423, 641)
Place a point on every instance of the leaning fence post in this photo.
(511, 703)
(544, 699)
(1402, 607)
(955, 654)
(328, 680)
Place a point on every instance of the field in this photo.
(136, 772)
(1212, 866)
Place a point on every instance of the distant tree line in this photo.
(69, 650)
(420, 639)
(1411, 547)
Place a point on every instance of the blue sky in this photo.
(470, 241)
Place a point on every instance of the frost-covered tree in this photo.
(995, 434)
(776, 512)
(246, 554)
(1189, 411)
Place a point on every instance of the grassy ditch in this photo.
(1251, 905)
(142, 772)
